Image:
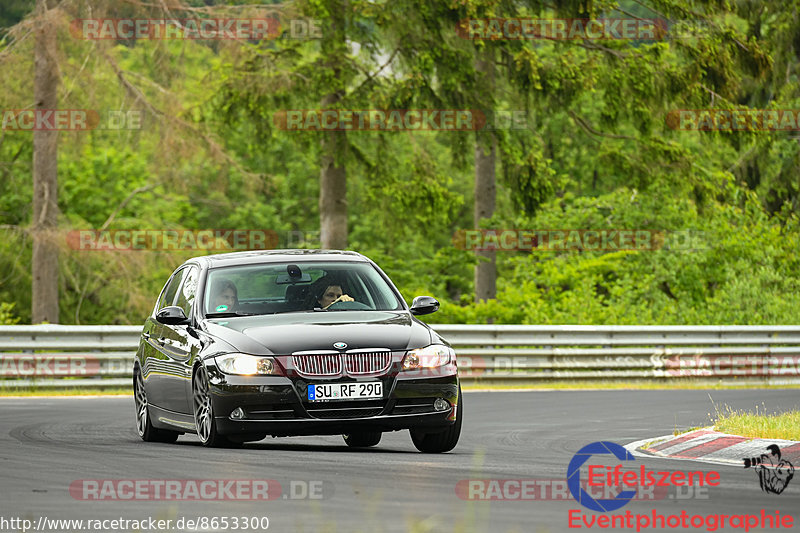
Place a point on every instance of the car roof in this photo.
(278, 256)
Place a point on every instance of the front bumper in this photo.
(276, 405)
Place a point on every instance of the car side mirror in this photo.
(172, 315)
(424, 305)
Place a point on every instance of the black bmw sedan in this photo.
(293, 342)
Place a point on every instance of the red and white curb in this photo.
(711, 446)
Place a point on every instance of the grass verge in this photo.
(111, 391)
(762, 424)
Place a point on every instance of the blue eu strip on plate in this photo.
(311, 392)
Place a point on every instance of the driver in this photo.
(329, 291)
(224, 296)
(331, 295)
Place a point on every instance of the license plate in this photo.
(345, 391)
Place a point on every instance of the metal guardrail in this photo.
(746, 355)
(67, 356)
(80, 356)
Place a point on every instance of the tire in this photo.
(203, 410)
(362, 439)
(144, 427)
(443, 441)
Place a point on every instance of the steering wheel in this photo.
(349, 305)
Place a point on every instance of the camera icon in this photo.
(753, 461)
(774, 473)
(775, 451)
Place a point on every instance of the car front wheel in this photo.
(442, 441)
(204, 412)
(144, 427)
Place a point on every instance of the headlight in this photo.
(429, 357)
(246, 365)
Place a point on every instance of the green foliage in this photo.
(13, 11)
(735, 266)
(7, 317)
(595, 151)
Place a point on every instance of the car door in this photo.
(156, 363)
(180, 346)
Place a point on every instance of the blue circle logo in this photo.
(340, 345)
(574, 476)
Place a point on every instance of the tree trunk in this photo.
(486, 269)
(333, 190)
(485, 153)
(333, 176)
(45, 175)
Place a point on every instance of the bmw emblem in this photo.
(340, 345)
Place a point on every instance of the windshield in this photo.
(296, 287)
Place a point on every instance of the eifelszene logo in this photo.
(574, 477)
(773, 472)
(616, 477)
(628, 475)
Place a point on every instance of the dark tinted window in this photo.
(294, 287)
(188, 290)
(170, 290)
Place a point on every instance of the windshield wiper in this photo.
(228, 314)
(326, 310)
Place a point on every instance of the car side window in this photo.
(188, 291)
(170, 289)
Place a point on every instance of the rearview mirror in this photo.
(172, 316)
(424, 305)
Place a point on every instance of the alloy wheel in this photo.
(140, 399)
(203, 415)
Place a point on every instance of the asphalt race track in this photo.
(47, 444)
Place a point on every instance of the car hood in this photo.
(286, 333)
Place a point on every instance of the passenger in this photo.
(225, 298)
